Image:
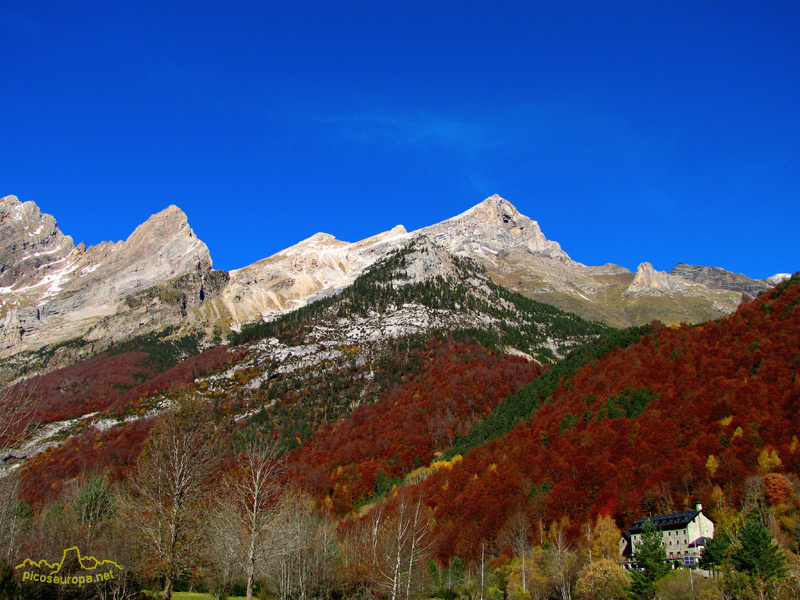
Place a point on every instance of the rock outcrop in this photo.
(777, 278)
(494, 225)
(54, 291)
(716, 278)
(649, 282)
(519, 256)
(31, 245)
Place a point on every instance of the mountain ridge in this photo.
(55, 291)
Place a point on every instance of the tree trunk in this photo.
(167, 593)
(251, 566)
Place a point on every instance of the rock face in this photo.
(54, 291)
(519, 256)
(716, 278)
(31, 245)
(649, 282)
(493, 226)
(777, 278)
(318, 266)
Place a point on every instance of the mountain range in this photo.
(77, 301)
(432, 364)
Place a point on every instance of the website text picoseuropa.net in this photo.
(68, 579)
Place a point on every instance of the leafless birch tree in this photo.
(247, 509)
(562, 566)
(515, 533)
(301, 549)
(399, 542)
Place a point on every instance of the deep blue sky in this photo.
(632, 131)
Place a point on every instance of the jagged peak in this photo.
(495, 201)
(171, 213)
(649, 281)
(172, 210)
(778, 278)
(168, 222)
(493, 209)
(645, 268)
(309, 243)
(320, 236)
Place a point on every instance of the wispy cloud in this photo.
(420, 129)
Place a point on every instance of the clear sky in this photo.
(631, 131)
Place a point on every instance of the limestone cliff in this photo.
(54, 291)
(714, 277)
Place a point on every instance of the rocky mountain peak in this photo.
(496, 210)
(51, 291)
(170, 222)
(30, 243)
(649, 282)
(494, 225)
(161, 248)
(321, 237)
(777, 278)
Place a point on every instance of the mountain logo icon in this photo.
(71, 559)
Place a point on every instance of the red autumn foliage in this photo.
(112, 452)
(778, 488)
(112, 380)
(726, 388)
(459, 383)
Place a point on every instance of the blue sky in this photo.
(632, 131)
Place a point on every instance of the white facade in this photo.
(683, 534)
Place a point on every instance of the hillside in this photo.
(684, 416)
(313, 366)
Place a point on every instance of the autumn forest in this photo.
(440, 467)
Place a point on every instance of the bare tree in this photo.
(120, 545)
(515, 533)
(562, 565)
(250, 504)
(11, 515)
(301, 548)
(588, 536)
(223, 547)
(399, 543)
(174, 472)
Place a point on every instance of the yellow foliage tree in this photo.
(768, 460)
(712, 465)
(605, 538)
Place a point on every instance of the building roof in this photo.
(667, 522)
